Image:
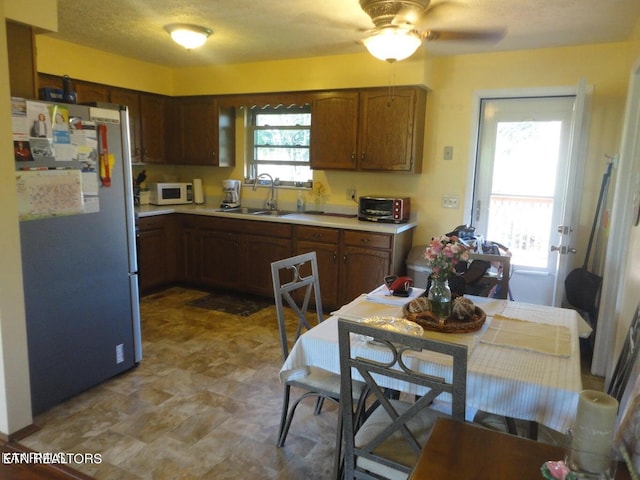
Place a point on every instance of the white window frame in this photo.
(252, 164)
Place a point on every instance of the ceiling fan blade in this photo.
(494, 35)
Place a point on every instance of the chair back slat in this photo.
(293, 288)
(626, 360)
(389, 360)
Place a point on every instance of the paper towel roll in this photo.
(198, 191)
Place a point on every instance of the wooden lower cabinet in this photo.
(362, 270)
(350, 262)
(156, 252)
(220, 258)
(236, 254)
(231, 253)
(258, 253)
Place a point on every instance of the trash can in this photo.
(417, 267)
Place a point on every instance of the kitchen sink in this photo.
(243, 210)
(256, 211)
(274, 213)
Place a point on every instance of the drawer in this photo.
(366, 239)
(318, 234)
(151, 223)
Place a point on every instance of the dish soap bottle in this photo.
(300, 203)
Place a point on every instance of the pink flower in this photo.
(558, 470)
(443, 253)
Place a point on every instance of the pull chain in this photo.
(392, 85)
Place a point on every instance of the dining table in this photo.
(464, 450)
(523, 362)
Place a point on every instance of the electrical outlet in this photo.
(351, 194)
(450, 201)
(119, 353)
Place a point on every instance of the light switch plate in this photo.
(448, 153)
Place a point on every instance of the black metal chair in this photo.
(389, 441)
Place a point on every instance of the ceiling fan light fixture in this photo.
(187, 35)
(392, 43)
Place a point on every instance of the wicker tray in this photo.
(451, 324)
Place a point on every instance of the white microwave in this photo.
(170, 193)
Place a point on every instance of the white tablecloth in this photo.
(509, 381)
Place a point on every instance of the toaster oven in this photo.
(384, 209)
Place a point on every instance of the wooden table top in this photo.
(470, 451)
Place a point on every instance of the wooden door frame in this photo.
(617, 264)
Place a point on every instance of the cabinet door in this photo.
(132, 101)
(22, 60)
(258, 254)
(362, 270)
(219, 258)
(328, 271)
(188, 256)
(389, 133)
(152, 128)
(152, 245)
(172, 130)
(91, 92)
(334, 131)
(198, 126)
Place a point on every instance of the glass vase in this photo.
(440, 297)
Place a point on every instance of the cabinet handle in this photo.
(362, 156)
(344, 258)
(213, 154)
(335, 257)
(353, 156)
(365, 240)
(317, 235)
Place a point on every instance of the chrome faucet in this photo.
(271, 204)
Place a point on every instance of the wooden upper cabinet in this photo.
(334, 131)
(91, 92)
(132, 100)
(392, 129)
(197, 124)
(22, 64)
(207, 132)
(152, 128)
(369, 130)
(172, 127)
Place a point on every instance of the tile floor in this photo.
(204, 403)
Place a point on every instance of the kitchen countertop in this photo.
(316, 220)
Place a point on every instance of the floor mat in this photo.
(242, 305)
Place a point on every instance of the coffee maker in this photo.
(231, 194)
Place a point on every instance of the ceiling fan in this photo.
(399, 28)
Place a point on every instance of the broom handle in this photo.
(605, 179)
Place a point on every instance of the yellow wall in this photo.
(62, 58)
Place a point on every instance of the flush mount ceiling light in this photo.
(392, 43)
(188, 36)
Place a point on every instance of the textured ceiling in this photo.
(250, 30)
